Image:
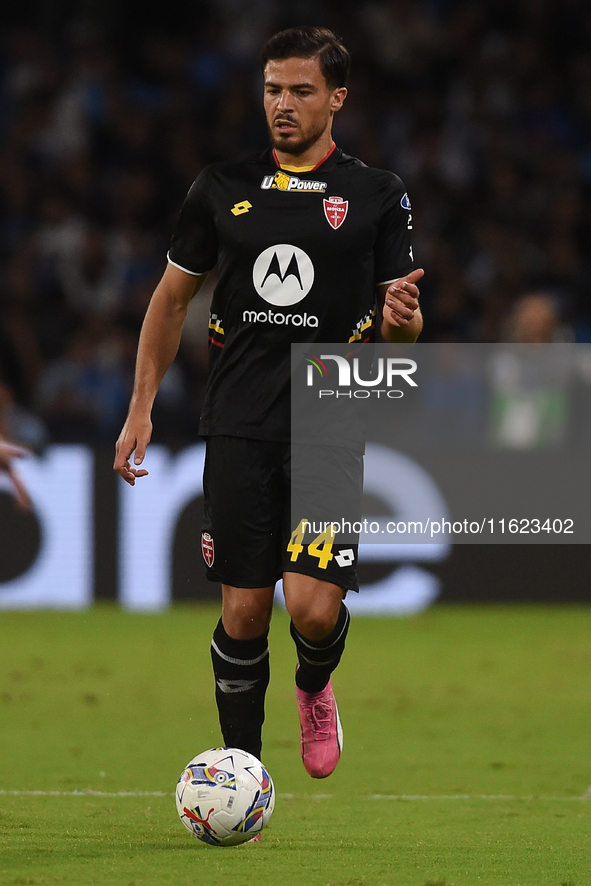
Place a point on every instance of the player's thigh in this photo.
(243, 511)
(323, 524)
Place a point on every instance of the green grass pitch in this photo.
(467, 752)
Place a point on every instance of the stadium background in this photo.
(109, 110)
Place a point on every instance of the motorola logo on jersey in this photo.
(279, 319)
(283, 275)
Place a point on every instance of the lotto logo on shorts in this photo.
(346, 557)
(207, 548)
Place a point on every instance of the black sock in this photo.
(241, 670)
(319, 658)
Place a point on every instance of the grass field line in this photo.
(409, 797)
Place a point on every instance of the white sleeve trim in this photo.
(383, 282)
(180, 267)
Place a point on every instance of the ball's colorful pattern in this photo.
(225, 796)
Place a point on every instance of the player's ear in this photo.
(337, 99)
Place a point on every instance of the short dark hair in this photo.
(309, 42)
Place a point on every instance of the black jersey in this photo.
(299, 255)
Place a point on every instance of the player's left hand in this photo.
(402, 299)
(7, 453)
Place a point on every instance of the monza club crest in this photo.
(207, 548)
(335, 210)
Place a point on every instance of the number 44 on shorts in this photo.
(320, 547)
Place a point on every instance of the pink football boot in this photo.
(321, 734)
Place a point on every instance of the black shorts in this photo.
(252, 529)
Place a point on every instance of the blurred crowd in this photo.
(109, 111)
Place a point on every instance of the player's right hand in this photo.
(134, 437)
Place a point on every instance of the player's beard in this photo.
(296, 143)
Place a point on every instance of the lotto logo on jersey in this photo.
(207, 548)
(335, 210)
(282, 181)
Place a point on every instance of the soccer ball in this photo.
(225, 796)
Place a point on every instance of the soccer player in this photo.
(307, 240)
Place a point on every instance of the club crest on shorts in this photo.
(207, 548)
(335, 210)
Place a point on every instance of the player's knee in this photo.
(315, 622)
(243, 623)
(313, 605)
(246, 615)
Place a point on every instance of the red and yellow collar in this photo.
(303, 168)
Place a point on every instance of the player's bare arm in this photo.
(158, 345)
(402, 320)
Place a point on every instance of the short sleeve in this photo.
(194, 244)
(393, 249)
